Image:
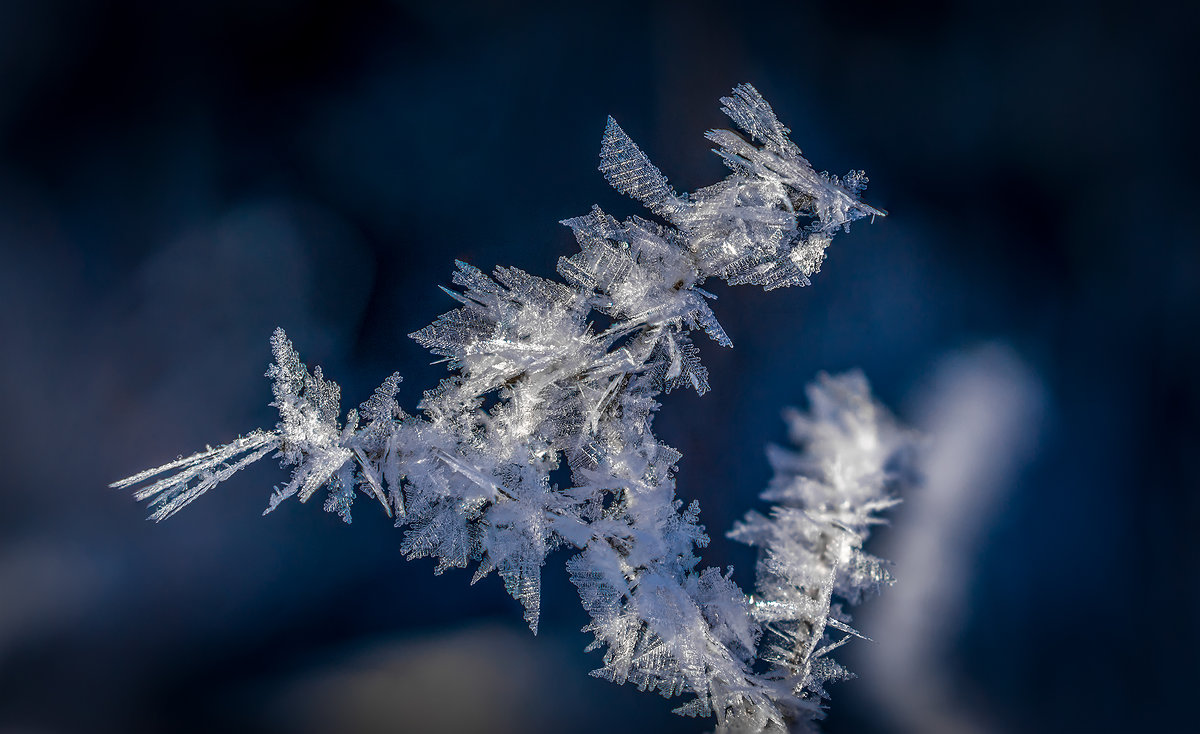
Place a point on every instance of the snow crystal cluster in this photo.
(470, 484)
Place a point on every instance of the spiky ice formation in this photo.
(471, 484)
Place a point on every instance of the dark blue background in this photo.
(178, 179)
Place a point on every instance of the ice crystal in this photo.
(471, 484)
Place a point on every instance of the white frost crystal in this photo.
(471, 484)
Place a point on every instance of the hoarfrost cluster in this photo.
(471, 484)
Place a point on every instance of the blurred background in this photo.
(178, 179)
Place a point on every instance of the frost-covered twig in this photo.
(472, 484)
(826, 498)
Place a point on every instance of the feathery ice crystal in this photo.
(472, 484)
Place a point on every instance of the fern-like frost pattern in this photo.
(471, 485)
